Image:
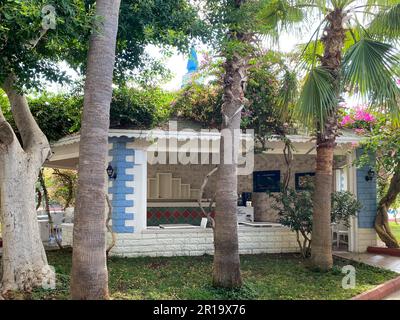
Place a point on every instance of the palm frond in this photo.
(287, 94)
(308, 53)
(369, 70)
(275, 16)
(318, 98)
(386, 24)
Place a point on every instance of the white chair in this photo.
(203, 223)
(341, 231)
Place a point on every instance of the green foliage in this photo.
(21, 26)
(295, 210)
(369, 70)
(139, 108)
(395, 228)
(262, 17)
(172, 23)
(381, 151)
(344, 206)
(386, 23)
(200, 103)
(270, 90)
(245, 292)
(60, 114)
(61, 186)
(266, 276)
(56, 115)
(318, 98)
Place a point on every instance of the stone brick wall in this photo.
(194, 175)
(67, 233)
(366, 237)
(192, 242)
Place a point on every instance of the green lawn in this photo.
(395, 229)
(265, 276)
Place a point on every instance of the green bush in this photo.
(295, 209)
(57, 115)
(344, 205)
(60, 114)
(139, 108)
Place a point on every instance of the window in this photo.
(303, 179)
(267, 181)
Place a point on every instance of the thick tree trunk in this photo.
(89, 269)
(24, 263)
(321, 249)
(226, 268)
(382, 219)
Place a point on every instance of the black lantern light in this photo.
(111, 172)
(370, 175)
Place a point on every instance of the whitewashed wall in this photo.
(193, 242)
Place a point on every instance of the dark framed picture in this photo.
(267, 181)
(303, 180)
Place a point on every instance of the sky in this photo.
(177, 62)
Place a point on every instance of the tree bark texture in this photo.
(89, 269)
(382, 219)
(321, 249)
(24, 262)
(226, 267)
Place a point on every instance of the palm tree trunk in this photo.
(89, 268)
(226, 268)
(382, 220)
(321, 249)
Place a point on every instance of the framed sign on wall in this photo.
(267, 181)
(303, 180)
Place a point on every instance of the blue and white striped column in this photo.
(122, 189)
(367, 195)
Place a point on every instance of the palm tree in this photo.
(345, 58)
(89, 268)
(242, 22)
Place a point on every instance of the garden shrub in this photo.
(295, 210)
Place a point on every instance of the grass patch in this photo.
(395, 229)
(266, 276)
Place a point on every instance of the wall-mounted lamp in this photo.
(111, 172)
(370, 175)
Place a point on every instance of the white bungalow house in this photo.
(156, 178)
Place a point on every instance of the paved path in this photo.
(393, 296)
(376, 260)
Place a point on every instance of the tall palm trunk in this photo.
(382, 220)
(226, 268)
(89, 268)
(321, 249)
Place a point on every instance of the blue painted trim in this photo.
(116, 190)
(367, 195)
(122, 229)
(119, 190)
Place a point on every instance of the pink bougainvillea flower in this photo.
(354, 144)
(359, 131)
(398, 82)
(347, 120)
(362, 115)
